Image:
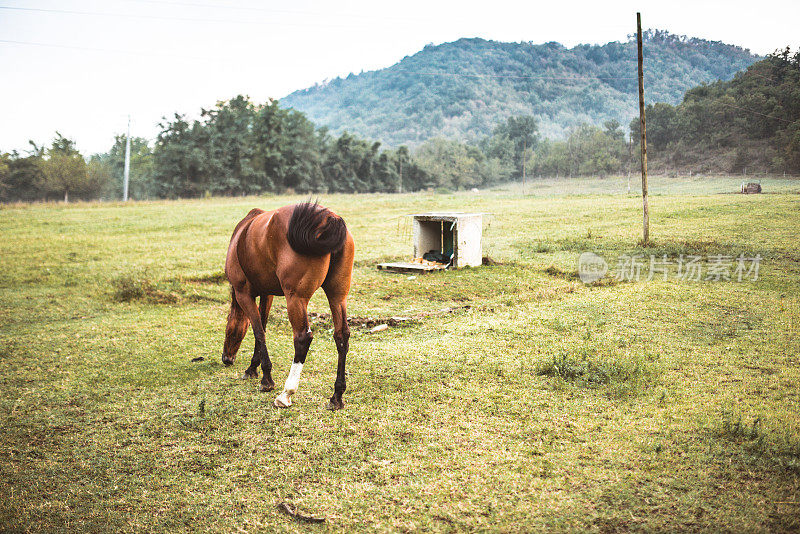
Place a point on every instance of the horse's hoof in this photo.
(228, 362)
(334, 406)
(263, 388)
(247, 375)
(282, 401)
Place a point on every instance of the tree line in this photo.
(54, 172)
(242, 148)
(751, 122)
(235, 148)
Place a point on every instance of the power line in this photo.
(168, 18)
(463, 75)
(756, 112)
(265, 10)
(205, 58)
(107, 50)
(456, 74)
(443, 74)
(748, 72)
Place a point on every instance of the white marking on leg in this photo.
(284, 400)
(294, 378)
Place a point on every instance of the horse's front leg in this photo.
(264, 305)
(235, 330)
(298, 317)
(248, 304)
(341, 335)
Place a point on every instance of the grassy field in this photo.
(517, 399)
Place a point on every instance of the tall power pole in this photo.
(400, 180)
(646, 210)
(630, 159)
(127, 173)
(524, 149)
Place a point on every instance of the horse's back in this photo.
(242, 267)
(298, 274)
(261, 261)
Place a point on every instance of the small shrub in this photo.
(138, 286)
(624, 375)
(736, 428)
(562, 367)
(128, 288)
(572, 370)
(526, 247)
(779, 446)
(556, 272)
(575, 244)
(216, 277)
(606, 281)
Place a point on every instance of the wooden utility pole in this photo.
(646, 211)
(630, 159)
(127, 170)
(524, 149)
(400, 181)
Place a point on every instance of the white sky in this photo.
(152, 58)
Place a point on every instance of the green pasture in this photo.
(516, 398)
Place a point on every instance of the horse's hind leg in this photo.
(298, 316)
(264, 305)
(341, 335)
(248, 304)
(234, 331)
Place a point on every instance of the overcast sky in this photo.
(81, 66)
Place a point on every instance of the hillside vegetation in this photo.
(237, 147)
(240, 147)
(461, 90)
(751, 122)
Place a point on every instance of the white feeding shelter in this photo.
(448, 239)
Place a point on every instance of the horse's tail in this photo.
(315, 231)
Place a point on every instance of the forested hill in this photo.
(463, 89)
(750, 124)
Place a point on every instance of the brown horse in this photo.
(291, 251)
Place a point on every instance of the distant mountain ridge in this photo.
(462, 89)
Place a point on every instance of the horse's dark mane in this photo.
(315, 231)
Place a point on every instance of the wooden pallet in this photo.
(408, 267)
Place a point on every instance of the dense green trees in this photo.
(20, 177)
(588, 150)
(517, 137)
(58, 171)
(62, 168)
(455, 165)
(5, 166)
(142, 183)
(235, 148)
(751, 121)
(464, 89)
(242, 148)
